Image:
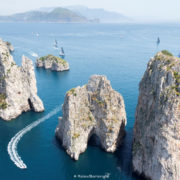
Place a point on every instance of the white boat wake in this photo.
(33, 54)
(12, 145)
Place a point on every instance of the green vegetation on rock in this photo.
(136, 147)
(177, 76)
(176, 86)
(75, 135)
(6, 54)
(8, 71)
(176, 90)
(99, 102)
(114, 119)
(167, 53)
(50, 57)
(165, 56)
(12, 64)
(72, 91)
(3, 104)
(90, 117)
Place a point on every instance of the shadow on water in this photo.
(52, 74)
(124, 156)
(58, 143)
(94, 141)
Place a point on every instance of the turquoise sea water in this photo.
(119, 51)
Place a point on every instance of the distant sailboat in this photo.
(62, 54)
(158, 41)
(55, 44)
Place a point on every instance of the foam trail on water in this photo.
(12, 145)
(33, 54)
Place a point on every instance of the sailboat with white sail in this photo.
(62, 53)
(55, 44)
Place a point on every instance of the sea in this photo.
(119, 51)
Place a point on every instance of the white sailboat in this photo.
(61, 53)
(55, 44)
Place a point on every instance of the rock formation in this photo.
(156, 146)
(10, 47)
(18, 92)
(94, 109)
(52, 62)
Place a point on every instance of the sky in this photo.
(141, 10)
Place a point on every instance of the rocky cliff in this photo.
(156, 146)
(94, 109)
(9, 46)
(18, 91)
(52, 62)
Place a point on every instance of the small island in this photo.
(52, 62)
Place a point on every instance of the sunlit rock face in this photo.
(18, 91)
(94, 109)
(156, 147)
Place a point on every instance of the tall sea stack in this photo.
(94, 109)
(18, 91)
(156, 146)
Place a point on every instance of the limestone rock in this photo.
(18, 91)
(52, 62)
(94, 109)
(10, 47)
(156, 146)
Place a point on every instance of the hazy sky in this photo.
(166, 10)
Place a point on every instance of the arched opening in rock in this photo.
(94, 140)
